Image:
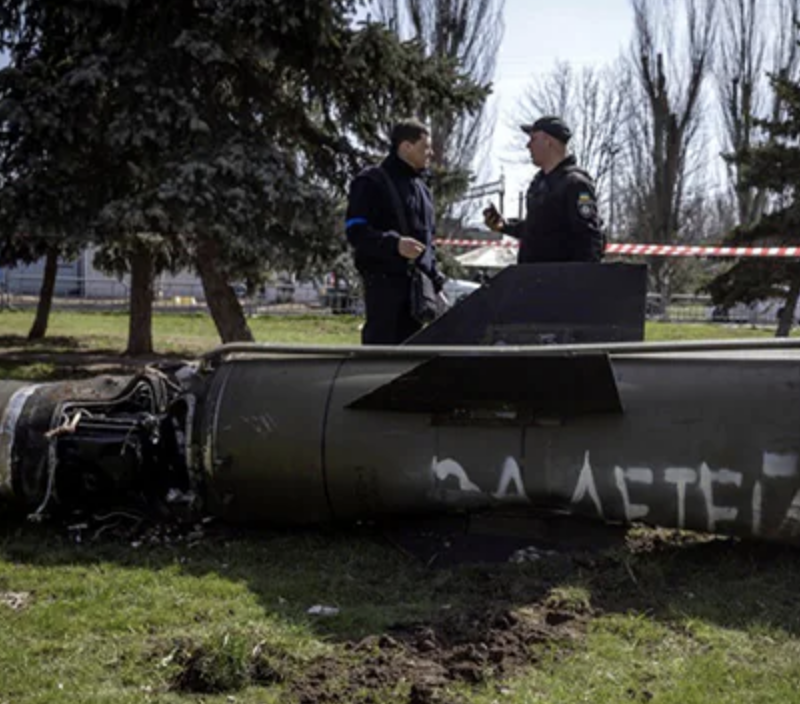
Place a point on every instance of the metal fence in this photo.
(105, 294)
(684, 308)
(21, 292)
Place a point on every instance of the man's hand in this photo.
(410, 248)
(492, 218)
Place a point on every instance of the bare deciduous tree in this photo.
(594, 104)
(467, 31)
(663, 143)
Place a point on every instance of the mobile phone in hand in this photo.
(490, 212)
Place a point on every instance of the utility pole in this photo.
(614, 150)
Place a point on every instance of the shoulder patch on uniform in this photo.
(587, 206)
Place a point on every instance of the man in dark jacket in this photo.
(383, 253)
(562, 223)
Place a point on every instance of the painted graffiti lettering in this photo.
(775, 466)
(791, 524)
(681, 477)
(450, 468)
(511, 475)
(586, 485)
(602, 493)
(707, 480)
(510, 486)
(758, 498)
(634, 475)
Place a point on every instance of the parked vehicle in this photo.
(344, 299)
(767, 311)
(456, 289)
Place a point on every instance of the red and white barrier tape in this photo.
(477, 243)
(655, 250)
(688, 251)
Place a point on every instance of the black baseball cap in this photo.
(554, 126)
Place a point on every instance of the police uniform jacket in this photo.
(373, 225)
(562, 223)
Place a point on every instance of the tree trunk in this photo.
(660, 275)
(786, 317)
(39, 327)
(140, 322)
(226, 311)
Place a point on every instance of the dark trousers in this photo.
(386, 299)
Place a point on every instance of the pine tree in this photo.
(773, 165)
(217, 132)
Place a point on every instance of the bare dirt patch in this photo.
(422, 659)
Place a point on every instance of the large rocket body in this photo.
(704, 440)
(689, 436)
(477, 412)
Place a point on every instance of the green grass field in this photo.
(190, 333)
(105, 614)
(186, 333)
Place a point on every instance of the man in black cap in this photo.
(562, 223)
(385, 241)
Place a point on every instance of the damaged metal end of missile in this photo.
(95, 444)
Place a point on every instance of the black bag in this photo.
(425, 305)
